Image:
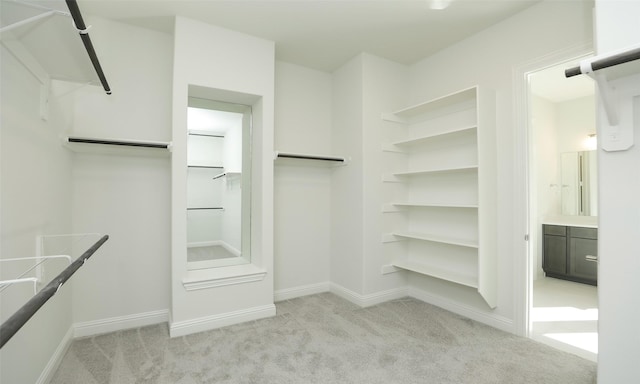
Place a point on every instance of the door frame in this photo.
(523, 241)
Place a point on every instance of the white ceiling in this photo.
(325, 34)
(320, 34)
(546, 84)
(201, 119)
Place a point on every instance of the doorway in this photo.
(562, 197)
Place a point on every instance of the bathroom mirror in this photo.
(579, 172)
(218, 184)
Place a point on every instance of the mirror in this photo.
(579, 178)
(218, 184)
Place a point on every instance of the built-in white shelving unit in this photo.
(443, 197)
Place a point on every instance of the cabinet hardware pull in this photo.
(591, 258)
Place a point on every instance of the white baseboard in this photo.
(370, 299)
(492, 320)
(113, 324)
(182, 328)
(54, 361)
(305, 290)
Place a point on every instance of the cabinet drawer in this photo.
(583, 233)
(558, 230)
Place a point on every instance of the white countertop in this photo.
(572, 221)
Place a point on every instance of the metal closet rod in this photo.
(117, 142)
(606, 62)
(86, 40)
(308, 157)
(18, 319)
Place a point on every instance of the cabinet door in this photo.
(555, 254)
(583, 255)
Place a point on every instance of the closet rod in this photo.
(206, 135)
(308, 157)
(605, 62)
(117, 142)
(18, 319)
(202, 209)
(86, 40)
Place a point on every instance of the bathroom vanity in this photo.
(570, 252)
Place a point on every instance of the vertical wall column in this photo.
(226, 66)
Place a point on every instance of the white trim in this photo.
(521, 248)
(370, 299)
(182, 328)
(218, 277)
(56, 358)
(496, 321)
(303, 290)
(112, 324)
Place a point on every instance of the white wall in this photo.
(545, 182)
(231, 187)
(576, 119)
(363, 89)
(488, 59)
(385, 85)
(236, 68)
(302, 191)
(127, 195)
(35, 199)
(346, 182)
(618, 26)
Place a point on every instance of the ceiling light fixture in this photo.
(591, 142)
(439, 4)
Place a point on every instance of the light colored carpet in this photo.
(325, 339)
(212, 252)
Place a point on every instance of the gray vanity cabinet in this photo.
(570, 253)
(555, 249)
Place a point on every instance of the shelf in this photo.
(45, 37)
(418, 140)
(429, 237)
(96, 145)
(447, 141)
(440, 273)
(394, 177)
(438, 170)
(396, 207)
(296, 158)
(404, 115)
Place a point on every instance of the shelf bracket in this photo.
(616, 133)
(390, 238)
(607, 95)
(389, 268)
